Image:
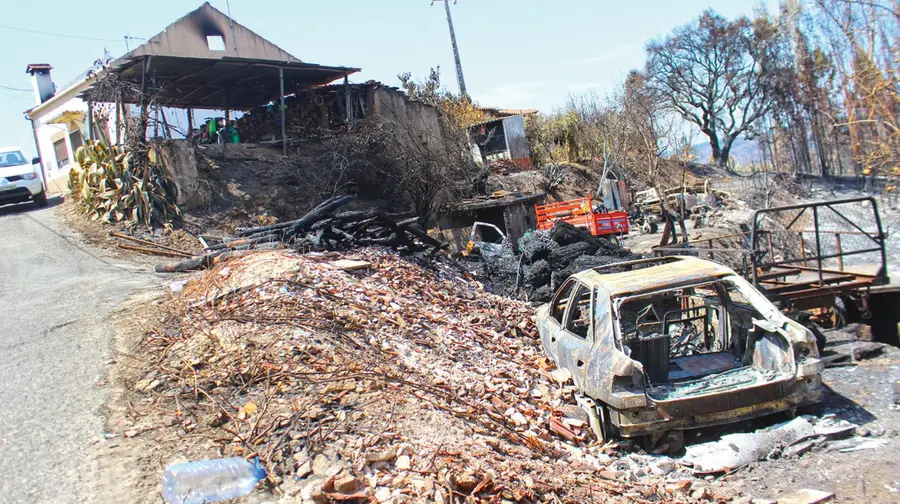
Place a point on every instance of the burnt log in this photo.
(195, 263)
(291, 228)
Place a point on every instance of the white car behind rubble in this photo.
(20, 181)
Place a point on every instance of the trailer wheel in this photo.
(847, 310)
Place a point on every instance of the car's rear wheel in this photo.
(41, 198)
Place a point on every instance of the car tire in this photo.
(40, 199)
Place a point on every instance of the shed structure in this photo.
(501, 139)
(206, 60)
(512, 213)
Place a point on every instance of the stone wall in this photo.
(180, 159)
(419, 123)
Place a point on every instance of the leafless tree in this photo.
(709, 72)
(426, 156)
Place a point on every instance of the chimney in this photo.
(44, 89)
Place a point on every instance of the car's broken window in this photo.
(679, 334)
(561, 301)
(642, 318)
(741, 313)
(694, 326)
(579, 319)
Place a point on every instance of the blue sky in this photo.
(515, 54)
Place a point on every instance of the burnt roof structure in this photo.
(207, 60)
(504, 200)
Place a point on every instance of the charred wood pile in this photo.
(322, 228)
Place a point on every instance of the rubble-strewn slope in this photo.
(399, 383)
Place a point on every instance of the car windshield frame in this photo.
(6, 155)
(760, 303)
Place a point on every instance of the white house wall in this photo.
(46, 133)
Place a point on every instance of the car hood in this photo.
(9, 171)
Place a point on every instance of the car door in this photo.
(576, 336)
(553, 329)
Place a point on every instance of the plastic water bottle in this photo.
(210, 480)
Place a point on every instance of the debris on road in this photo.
(148, 247)
(789, 439)
(805, 496)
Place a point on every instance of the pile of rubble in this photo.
(366, 377)
(549, 257)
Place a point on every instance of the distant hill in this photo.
(744, 152)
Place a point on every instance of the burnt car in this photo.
(658, 346)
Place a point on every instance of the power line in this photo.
(15, 28)
(15, 88)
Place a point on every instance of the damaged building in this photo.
(207, 61)
(511, 213)
(500, 140)
(333, 107)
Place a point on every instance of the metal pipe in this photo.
(818, 241)
(829, 256)
(813, 205)
(37, 145)
(837, 246)
(224, 129)
(348, 111)
(771, 246)
(118, 116)
(802, 248)
(880, 237)
(754, 241)
(90, 105)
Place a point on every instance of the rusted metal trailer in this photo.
(827, 255)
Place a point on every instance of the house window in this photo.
(62, 154)
(75, 140)
(215, 42)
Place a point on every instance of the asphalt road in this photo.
(55, 347)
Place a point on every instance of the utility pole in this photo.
(459, 72)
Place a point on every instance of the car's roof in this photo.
(10, 148)
(647, 275)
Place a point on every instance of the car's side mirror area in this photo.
(35, 160)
